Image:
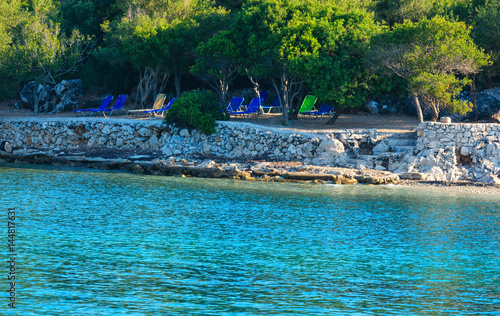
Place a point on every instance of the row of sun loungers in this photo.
(235, 106)
(159, 107)
(256, 106)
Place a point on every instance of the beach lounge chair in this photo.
(234, 104)
(117, 106)
(104, 104)
(160, 112)
(158, 104)
(307, 104)
(263, 95)
(324, 109)
(252, 108)
(276, 104)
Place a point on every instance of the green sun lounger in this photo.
(308, 104)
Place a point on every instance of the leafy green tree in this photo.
(397, 11)
(428, 52)
(12, 18)
(179, 39)
(439, 91)
(276, 39)
(337, 72)
(217, 63)
(37, 50)
(87, 15)
(144, 49)
(486, 34)
(299, 45)
(230, 4)
(157, 37)
(184, 35)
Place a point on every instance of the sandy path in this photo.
(383, 123)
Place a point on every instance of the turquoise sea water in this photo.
(95, 243)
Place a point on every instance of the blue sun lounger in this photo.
(118, 106)
(324, 109)
(234, 104)
(263, 95)
(104, 105)
(252, 108)
(276, 104)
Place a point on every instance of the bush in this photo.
(195, 109)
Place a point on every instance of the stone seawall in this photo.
(452, 152)
(443, 152)
(233, 140)
(463, 136)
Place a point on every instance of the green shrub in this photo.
(195, 109)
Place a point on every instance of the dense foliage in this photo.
(195, 109)
(337, 49)
(434, 56)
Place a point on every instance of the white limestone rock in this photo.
(372, 107)
(381, 147)
(184, 133)
(330, 151)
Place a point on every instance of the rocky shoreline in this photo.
(289, 171)
(148, 163)
(463, 155)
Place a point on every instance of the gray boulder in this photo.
(487, 101)
(60, 98)
(33, 92)
(27, 94)
(372, 107)
(68, 91)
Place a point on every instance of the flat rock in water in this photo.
(138, 157)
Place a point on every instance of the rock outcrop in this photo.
(62, 97)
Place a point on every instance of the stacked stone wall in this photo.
(464, 137)
(232, 140)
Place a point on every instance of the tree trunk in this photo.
(178, 83)
(223, 85)
(295, 106)
(473, 94)
(35, 100)
(286, 100)
(164, 81)
(419, 108)
(148, 82)
(255, 83)
(435, 113)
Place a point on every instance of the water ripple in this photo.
(118, 244)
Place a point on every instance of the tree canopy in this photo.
(431, 55)
(333, 49)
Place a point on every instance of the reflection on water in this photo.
(111, 244)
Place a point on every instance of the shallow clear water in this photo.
(95, 243)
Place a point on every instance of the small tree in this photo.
(195, 109)
(180, 41)
(439, 91)
(145, 49)
(428, 52)
(338, 72)
(276, 39)
(38, 49)
(216, 63)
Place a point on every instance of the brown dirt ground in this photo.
(383, 123)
